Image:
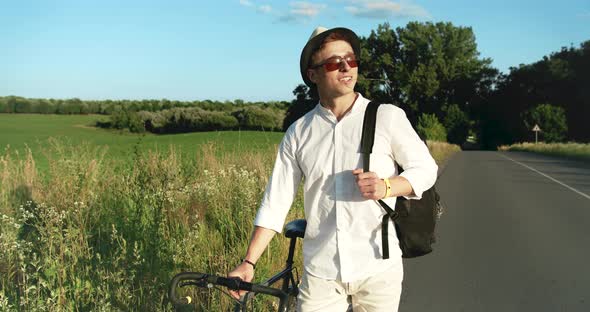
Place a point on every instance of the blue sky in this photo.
(236, 49)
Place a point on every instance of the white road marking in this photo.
(547, 176)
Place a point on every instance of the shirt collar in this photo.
(358, 106)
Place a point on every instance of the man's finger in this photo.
(367, 175)
(368, 188)
(237, 294)
(368, 181)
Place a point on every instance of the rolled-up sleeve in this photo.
(410, 152)
(281, 188)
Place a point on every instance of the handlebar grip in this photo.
(233, 283)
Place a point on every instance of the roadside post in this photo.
(536, 129)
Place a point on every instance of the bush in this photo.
(179, 120)
(191, 119)
(210, 121)
(119, 119)
(136, 123)
(430, 128)
(551, 120)
(254, 118)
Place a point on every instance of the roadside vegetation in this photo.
(569, 150)
(87, 234)
(442, 151)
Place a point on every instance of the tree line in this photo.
(431, 70)
(161, 116)
(17, 104)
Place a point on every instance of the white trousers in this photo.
(379, 293)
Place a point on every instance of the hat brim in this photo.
(316, 41)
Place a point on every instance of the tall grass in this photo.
(573, 150)
(90, 235)
(442, 151)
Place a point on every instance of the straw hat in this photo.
(316, 39)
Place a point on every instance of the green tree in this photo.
(44, 107)
(562, 77)
(424, 67)
(457, 124)
(551, 119)
(378, 71)
(4, 108)
(22, 105)
(430, 128)
(305, 100)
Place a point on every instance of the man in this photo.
(343, 263)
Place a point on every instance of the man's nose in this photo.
(344, 66)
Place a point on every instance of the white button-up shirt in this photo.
(343, 234)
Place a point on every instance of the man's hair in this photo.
(335, 36)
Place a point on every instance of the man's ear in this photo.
(311, 75)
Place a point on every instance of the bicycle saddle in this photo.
(295, 228)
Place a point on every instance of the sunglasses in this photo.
(336, 62)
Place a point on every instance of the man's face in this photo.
(337, 82)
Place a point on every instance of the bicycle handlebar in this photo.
(206, 280)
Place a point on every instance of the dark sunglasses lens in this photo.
(332, 66)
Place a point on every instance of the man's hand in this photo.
(369, 184)
(245, 272)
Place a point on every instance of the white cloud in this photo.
(385, 9)
(302, 11)
(265, 9)
(307, 9)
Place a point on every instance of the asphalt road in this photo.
(510, 239)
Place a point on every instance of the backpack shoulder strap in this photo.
(367, 140)
(368, 135)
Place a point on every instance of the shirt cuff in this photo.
(419, 182)
(269, 220)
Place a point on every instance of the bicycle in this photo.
(287, 294)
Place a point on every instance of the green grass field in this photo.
(35, 131)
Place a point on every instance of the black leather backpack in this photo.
(414, 219)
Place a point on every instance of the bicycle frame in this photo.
(288, 289)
